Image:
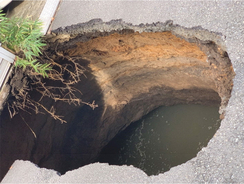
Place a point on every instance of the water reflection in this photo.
(166, 137)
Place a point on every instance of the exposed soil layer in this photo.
(128, 74)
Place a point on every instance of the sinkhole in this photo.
(162, 72)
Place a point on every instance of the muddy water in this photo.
(166, 137)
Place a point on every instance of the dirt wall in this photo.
(128, 74)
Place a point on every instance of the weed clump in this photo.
(23, 37)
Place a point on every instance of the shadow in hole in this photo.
(57, 146)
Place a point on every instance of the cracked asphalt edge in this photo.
(222, 160)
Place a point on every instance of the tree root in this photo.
(66, 92)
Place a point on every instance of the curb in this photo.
(47, 14)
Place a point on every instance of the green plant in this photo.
(23, 37)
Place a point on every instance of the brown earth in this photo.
(122, 62)
(128, 75)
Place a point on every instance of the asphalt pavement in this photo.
(222, 161)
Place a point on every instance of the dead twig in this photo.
(29, 127)
(65, 92)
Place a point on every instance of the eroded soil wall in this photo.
(128, 74)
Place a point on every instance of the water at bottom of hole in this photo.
(166, 137)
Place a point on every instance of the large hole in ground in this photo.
(129, 74)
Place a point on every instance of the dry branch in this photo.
(66, 92)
